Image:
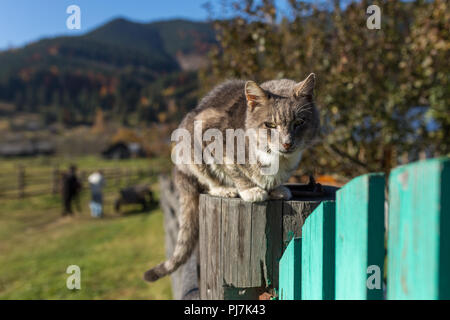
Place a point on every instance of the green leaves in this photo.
(370, 82)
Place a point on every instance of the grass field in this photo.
(37, 244)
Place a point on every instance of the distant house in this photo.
(24, 148)
(121, 150)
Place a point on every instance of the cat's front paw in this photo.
(281, 192)
(224, 192)
(255, 194)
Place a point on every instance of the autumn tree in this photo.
(382, 93)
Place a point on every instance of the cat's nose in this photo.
(287, 145)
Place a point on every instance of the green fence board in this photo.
(419, 231)
(318, 249)
(359, 237)
(290, 272)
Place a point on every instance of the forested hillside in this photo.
(130, 70)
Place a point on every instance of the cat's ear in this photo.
(306, 87)
(255, 95)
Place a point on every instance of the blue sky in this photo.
(22, 21)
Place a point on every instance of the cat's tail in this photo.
(188, 189)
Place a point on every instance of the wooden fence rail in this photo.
(27, 183)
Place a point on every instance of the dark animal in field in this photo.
(138, 194)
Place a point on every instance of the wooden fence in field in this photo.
(353, 243)
(28, 182)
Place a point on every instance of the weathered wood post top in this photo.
(241, 242)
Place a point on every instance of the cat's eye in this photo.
(299, 123)
(270, 125)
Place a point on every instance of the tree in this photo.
(381, 93)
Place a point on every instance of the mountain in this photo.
(171, 36)
(114, 67)
(118, 43)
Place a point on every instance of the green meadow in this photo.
(37, 244)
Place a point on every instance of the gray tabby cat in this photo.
(282, 105)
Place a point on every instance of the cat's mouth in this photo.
(290, 150)
(283, 151)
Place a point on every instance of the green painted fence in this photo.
(419, 231)
(290, 278)
(359, 236)
(318, 253)
(342, 253)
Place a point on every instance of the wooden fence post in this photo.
(290, 278)
(55, 180)
(118, 174)
(419, 231)
(318, 254)
(83, 177)
(127, 177)
(241, 243)
(184, 280)
(360, 238)
(21, 181)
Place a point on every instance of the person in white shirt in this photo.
(96, 183)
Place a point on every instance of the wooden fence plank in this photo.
(274, 234)
(203, 247)
(230, 253)
(213, 231)
(294, 215)
(184, 280)
(419, 237)
(244, 238)
(21, 181)
(171, 231)
(359, 236)
(318, 250)
(55, 180)
(258, 266)
(291, 271)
